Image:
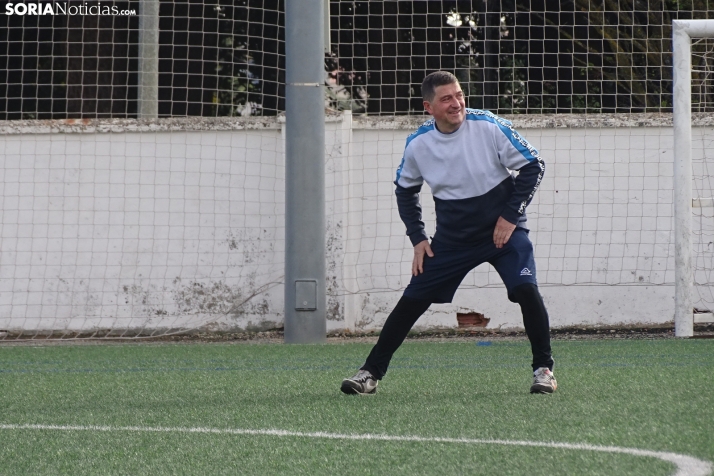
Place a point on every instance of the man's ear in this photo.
(427, 106)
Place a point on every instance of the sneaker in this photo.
(363, 383)
(543, 381)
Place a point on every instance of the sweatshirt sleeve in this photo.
(516, 153)
(526, 184)
(408, 185)
(410, 212)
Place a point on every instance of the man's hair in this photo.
(433, 81)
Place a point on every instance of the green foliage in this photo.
(344, 90)
(615, 55)
(236, 81)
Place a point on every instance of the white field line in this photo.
(686, 465)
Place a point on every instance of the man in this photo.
(465, 155)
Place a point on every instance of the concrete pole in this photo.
(148, 83)
(305, 302)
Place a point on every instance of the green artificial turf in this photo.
(648, 394)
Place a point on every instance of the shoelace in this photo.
(544, 377)
(363, 376)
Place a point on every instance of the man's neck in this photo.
(446, 128)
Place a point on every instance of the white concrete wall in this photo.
(601, 224)
(172, 224)
(141, 230)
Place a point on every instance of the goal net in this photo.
(117, 227)
(123, 229)
(703, 178)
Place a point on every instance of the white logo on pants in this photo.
(526, 272)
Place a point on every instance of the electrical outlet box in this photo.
(305, 295)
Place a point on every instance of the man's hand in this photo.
(502, 233)
(420, 249)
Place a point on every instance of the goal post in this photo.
(682, 33)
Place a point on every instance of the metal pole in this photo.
(148, 81)
(305, 303)
(682, 97)
(682, 33)
(328, 47)
(492, 36)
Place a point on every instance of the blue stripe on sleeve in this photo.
(521, 145)
(423, 129)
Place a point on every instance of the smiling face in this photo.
(448, 107)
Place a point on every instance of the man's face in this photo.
(447, 107)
